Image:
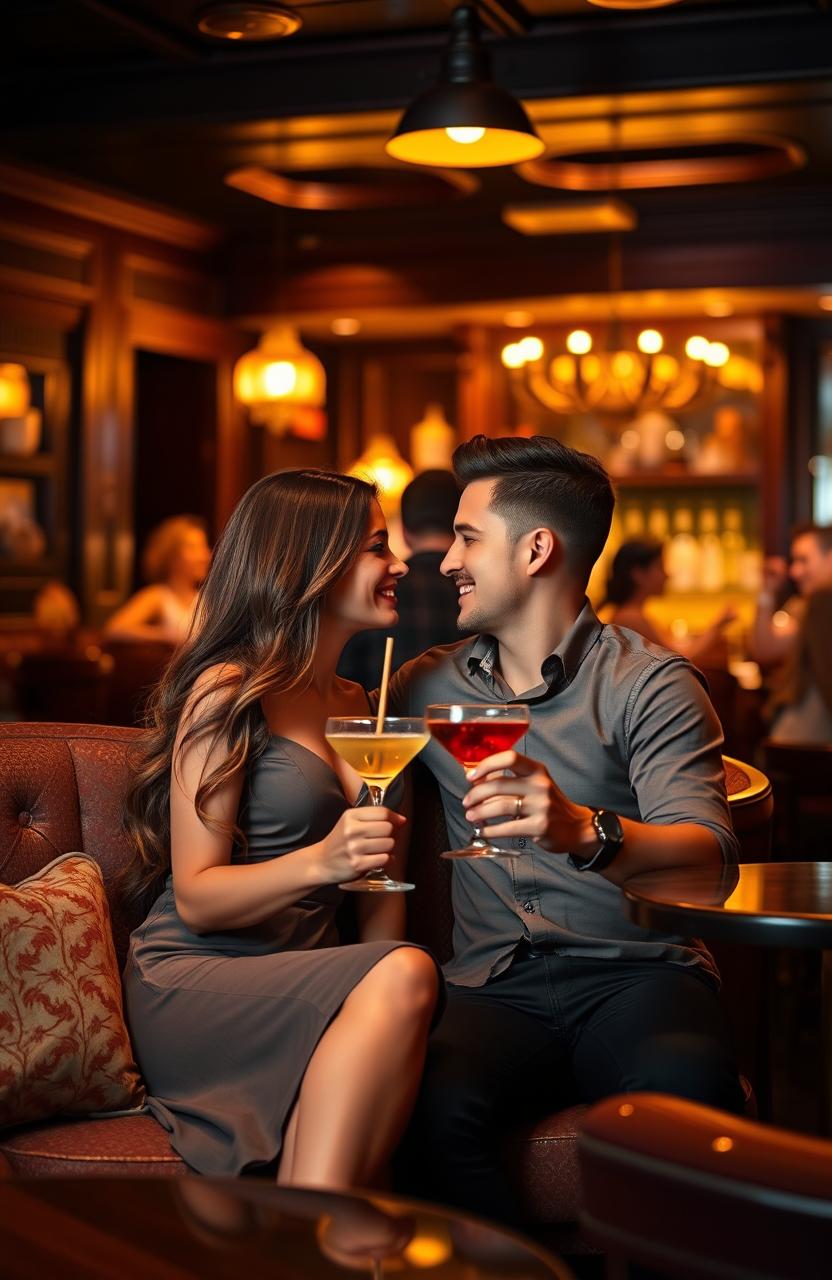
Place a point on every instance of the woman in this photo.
(175, 562)
(803, 702)
(264, 1045)
(638, 573)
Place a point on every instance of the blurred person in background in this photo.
(802, 704)
(638, 573)
(776, 626)
(175, 561)
(428, 606)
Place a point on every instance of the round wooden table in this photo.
(778, 904)
(192, 1228)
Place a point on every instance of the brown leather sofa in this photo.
(61, 789)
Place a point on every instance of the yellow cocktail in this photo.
(377, 758)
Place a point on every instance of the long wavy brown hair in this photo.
(290, 539)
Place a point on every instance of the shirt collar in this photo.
(561, 666)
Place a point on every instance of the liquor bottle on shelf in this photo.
(711, 557)
(632, 524)
(658, 523)
(682, 559)
(733, 546)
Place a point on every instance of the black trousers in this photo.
(551, 1031)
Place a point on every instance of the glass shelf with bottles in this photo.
(712, 552)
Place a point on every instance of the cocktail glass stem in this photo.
(378, 875)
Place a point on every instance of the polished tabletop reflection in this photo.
(770, 903)
(179, 1228)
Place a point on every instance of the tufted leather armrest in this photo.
(62, 789)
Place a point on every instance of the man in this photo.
(427, 602)
(551, 989)
(810, 568)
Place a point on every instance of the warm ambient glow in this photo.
(717, 355)
(282, 384)
(579, 342)
(436, 147)
(466, 136)
(382, 463)
(279, 379)
(518, 319)
(531, 348)
(696, 348)
(723, 1144)
(633, 4)
(512, 356)
(14, 391)
(650, 341)
(825, 302)
(345, 326)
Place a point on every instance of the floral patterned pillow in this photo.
(64, 1048)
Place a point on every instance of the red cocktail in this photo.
(470, 733)
(473, 740)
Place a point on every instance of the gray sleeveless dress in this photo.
(224, 1024)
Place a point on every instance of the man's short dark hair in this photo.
(823, 533)
(429, 503)
(543, 482)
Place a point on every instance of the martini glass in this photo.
(470, 732)
(377, 758)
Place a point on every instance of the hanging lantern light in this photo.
(382, 464)
(283, 385)
(14, 391)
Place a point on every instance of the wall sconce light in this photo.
(283, 385)
(465, 121)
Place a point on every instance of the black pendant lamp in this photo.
(465, 121)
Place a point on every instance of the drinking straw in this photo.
(385, 679)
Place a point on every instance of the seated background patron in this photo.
(803, 702)
(174, 563)
(776, 626)
(638, 573)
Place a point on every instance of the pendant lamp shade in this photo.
(282, 384)
(465, 121)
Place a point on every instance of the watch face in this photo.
(608, 826)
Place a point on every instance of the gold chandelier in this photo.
(617, 381)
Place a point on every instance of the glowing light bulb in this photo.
(716, 355)
(531, 347)
(579, 342)
(650, 341)
(465, 135)
(279, 378)
(696, 348)
(512, 356)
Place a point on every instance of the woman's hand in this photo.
(526, 803)
(360, 841)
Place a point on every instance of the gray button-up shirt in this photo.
(620, 724)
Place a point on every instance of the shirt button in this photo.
(528, 907)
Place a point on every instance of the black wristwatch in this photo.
(610, 834)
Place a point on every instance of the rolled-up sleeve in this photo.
(674, 747)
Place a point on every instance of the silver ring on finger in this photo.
(518, 807)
